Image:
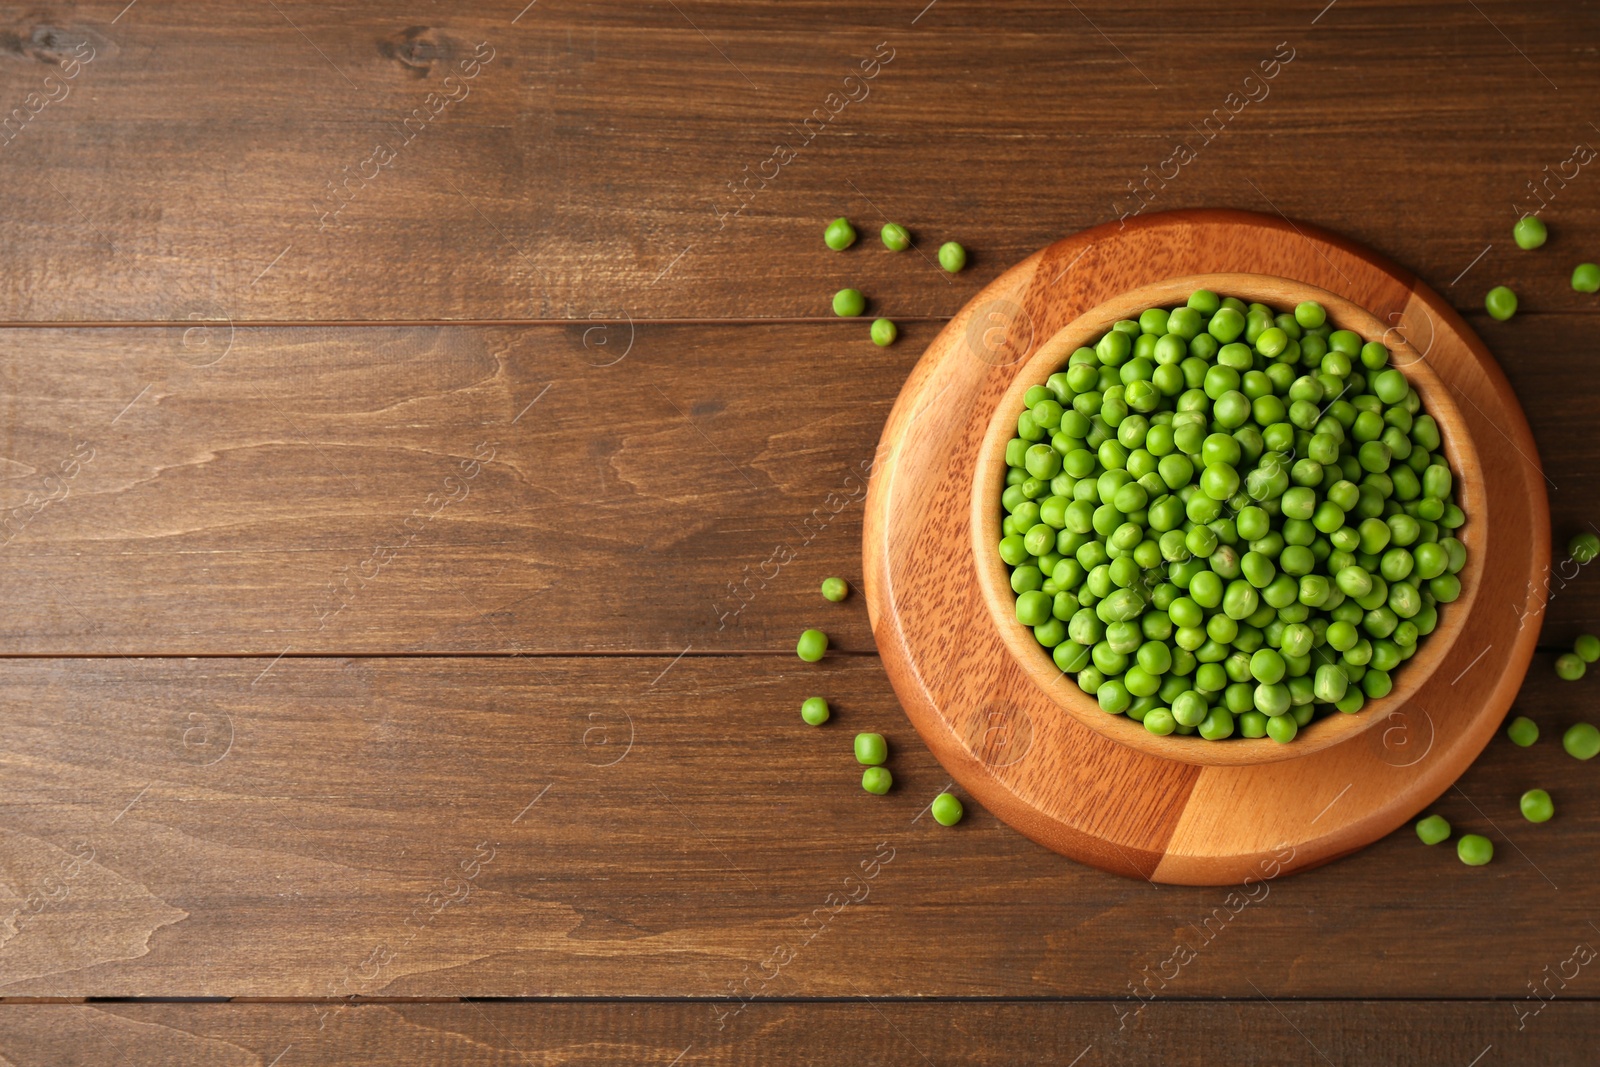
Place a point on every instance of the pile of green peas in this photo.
(1224, 519)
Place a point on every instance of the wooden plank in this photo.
(307, 488)
(966, 1034)
(631, 826)
(312, 162)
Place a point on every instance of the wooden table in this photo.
(424, 435)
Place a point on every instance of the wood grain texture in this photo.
(201, 828)
(1075, 788)
(274, 828)
(890, 1033)
(218, 160)
(228, 507)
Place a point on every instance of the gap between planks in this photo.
(1472, 314)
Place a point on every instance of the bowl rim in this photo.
(1280, 293)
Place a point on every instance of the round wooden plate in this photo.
(1076, 790)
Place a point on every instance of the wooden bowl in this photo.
(1003, 737)
(1281, 294)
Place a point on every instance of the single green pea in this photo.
(1033, 609)
(876, 780)
(895, 237)
(1586, 277)
(871, 749)
(814, 710)
(1310, 314)
(1523, 731)
(1529, 232)
(1582, 741)
(1474, 850)
(1433, 829)
(1569, 667)
(848, 303)
(835, 589)
(883, 332)
(1283, 728)
(946, 809)
(839, 235)
(952, 257)
(1587, 648)
(1536, 806)
(1584, 547)
(1160, 722)
(813, 643)
(1218, 723)
(1501, 303)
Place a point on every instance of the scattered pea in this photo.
(1586, 647)
(1501, 303)
(1475, 850)
(1433, 829)
(835, 589)
(884, 331)
(1586, 277)
(952, 257)
(871, 749)
(947, 810)
(848, 303)
(814, 710)
(1537, 806)
(895, 237)
(1584, 547)
(1529, 232)
(1569, 667)
(812, 644)
(1582, 741)
(876, 780)
(839, 235)
(1523, 731)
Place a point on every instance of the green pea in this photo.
(848, 303)
(839, 235)
(1536, 806)
(896, 238)
(952, 257)
(1474, 850)
(1113, 697)
(814, 710)
(871, 749)
(1582, 741)
(813, 643)
(1160, 722)
(1310, 314)
(946, 810)
(1569, 667)
(1433, 829)
(1218, 723)
(1501, 303)
(884, 332)
(835, 589)
(1033, 609)
(1587, 647)
(1529, 232)
(1586, 277)
(1283, 728)
(876, 780)
(1331, 683)
(1584, 547)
